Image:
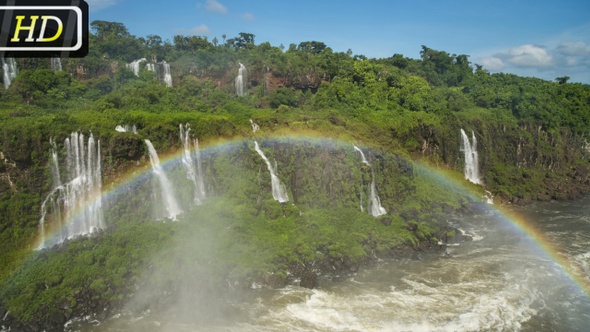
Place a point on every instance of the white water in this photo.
(162, 70)
(375, 207)
(56, 64)
(75, 208)
(134, 66)
(188, 163)
(10, 71)
(278, 191)
(471, 157)
(255, 127)
(364, 160)
(167, 74)
(241, 81)
(501, 282)
(171, 207)
(126, 128)
(201, 192)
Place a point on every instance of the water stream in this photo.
(498, 282)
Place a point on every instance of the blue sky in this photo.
(538, 38)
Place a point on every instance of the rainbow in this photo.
(521, 225)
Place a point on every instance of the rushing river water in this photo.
(500, 281)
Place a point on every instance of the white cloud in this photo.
(199, 30)
(571, 58)
(528, 56)
(94, 5)
(574, 48)
(492, 63)
(215, 7)
(248, 17)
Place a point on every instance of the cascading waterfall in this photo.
(471, 157)
(188, 163)
(200, 182)
(162, 70)
(134, 66)
(375, 207)
(10, 71)
(278, 191)
(241, 81)
(76, 206)
(255, 127)
(170, 203)
(126, 128)
(56, 64)
(364, 160)
(167, 75)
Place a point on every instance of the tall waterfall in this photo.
(187, 161)
(364, 160)
(375, 207)
(75, 208)
(10, 71)
(162, 70)
(471, 157)
(241, 81)
(56, 64)
(167, 75)
(170, 203)
(134, 66)
(278, 191)
(200, 176)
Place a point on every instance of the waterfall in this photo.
(167, 75)
(200, 183)
(134, 66)
(162, 70)
(56, 64)
(255, 127)
(10, 71)
(188, 163)
(375, 207)
(278, 192)
(241, 81)
(76, 206)
(126, 128)
(364, 160)
(471, 157)
(170, 203)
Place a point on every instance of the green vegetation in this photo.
(532, 137)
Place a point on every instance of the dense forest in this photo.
(532, 135)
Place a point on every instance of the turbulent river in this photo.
(500, 281)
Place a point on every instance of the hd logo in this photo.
(43, 28)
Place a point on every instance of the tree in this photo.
(105, 30)
(191, 43)
(244, 40)
(562, 79)
(313, 47)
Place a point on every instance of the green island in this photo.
(312, 106)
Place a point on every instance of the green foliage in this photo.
(531, 131)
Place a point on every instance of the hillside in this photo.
(312, 107)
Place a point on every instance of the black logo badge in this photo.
(48, 28)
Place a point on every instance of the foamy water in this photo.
(499, 283)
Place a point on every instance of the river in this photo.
(500, 281)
